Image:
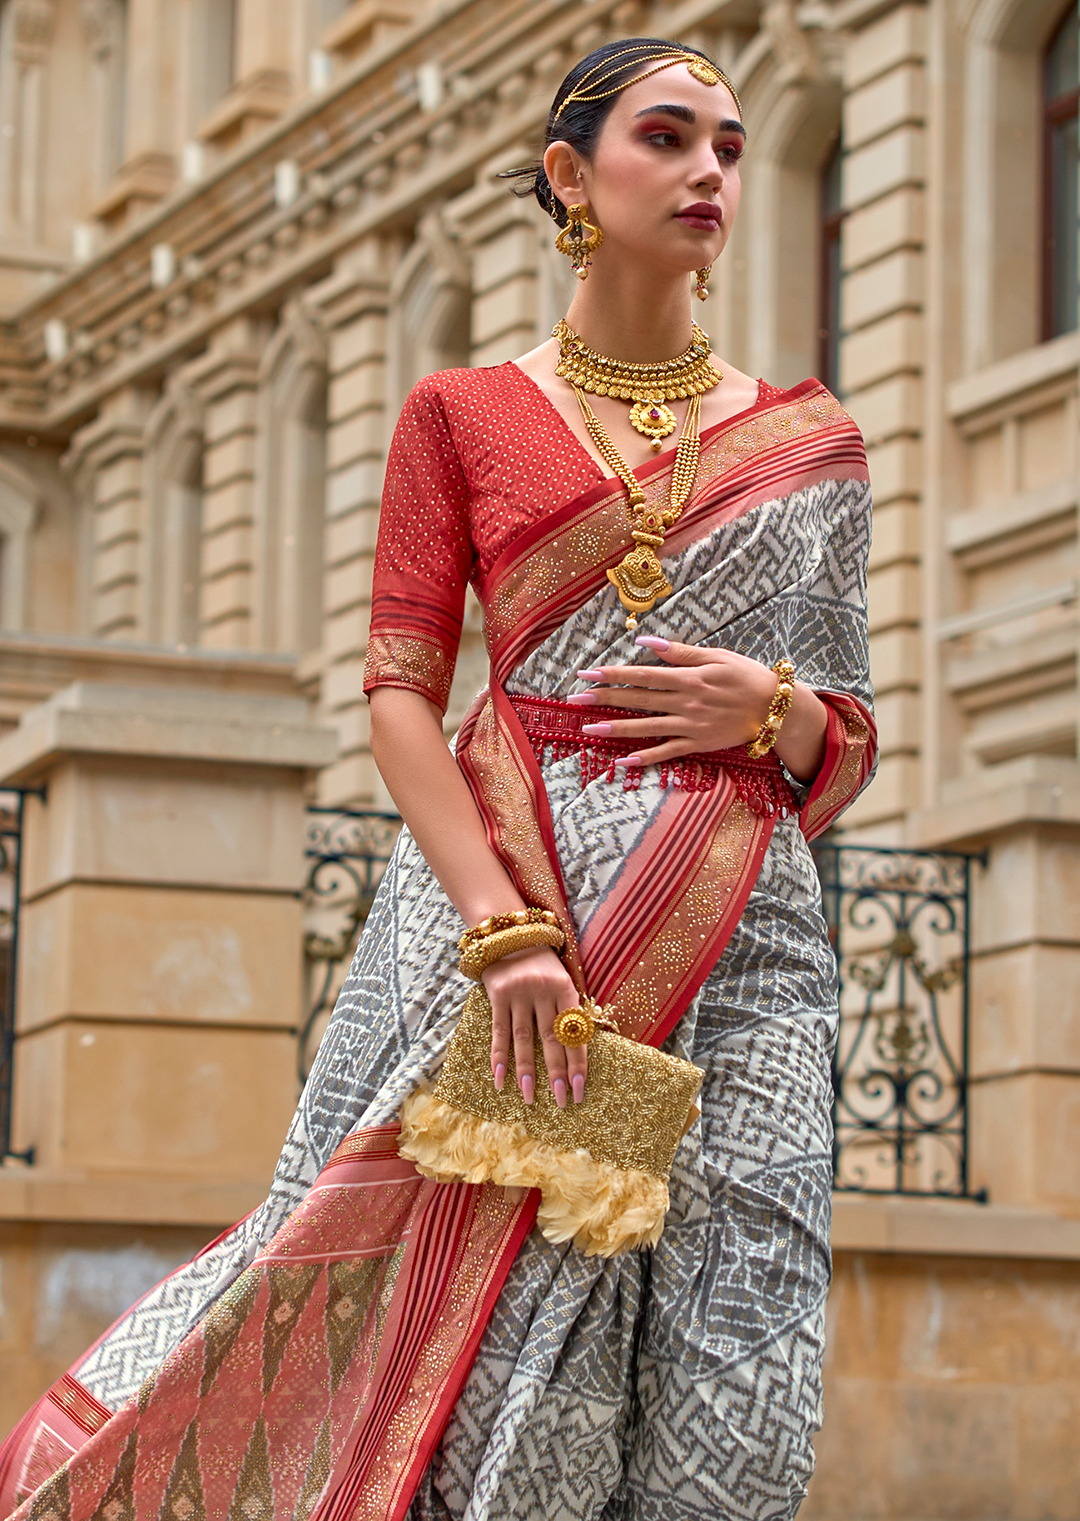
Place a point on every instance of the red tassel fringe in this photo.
(554, 728)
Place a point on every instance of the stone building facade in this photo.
(233, 233)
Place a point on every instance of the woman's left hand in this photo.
(703, 699)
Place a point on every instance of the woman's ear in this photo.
(563, 167)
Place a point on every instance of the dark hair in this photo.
(581, 122)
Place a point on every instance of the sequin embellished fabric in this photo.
(678, 1384)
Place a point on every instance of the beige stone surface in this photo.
(63, 1284)
(123, 951)
(150, 1098)
(951, 1391)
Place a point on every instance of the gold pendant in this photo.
(654, 419)
(639, 577)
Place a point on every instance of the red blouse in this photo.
(477, 456)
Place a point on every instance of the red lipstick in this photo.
(704, 214)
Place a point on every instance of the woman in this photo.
(373, 1344)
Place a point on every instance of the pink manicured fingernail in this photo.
(528, 1088)
(582, 699)
(653, 642)
(559, 1090)
(590, 675)
(596, 728)
(500, 1075)
(628, 760)
(578, 1086)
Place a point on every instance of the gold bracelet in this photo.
(765, 737)
(476, 958)
(495, 922)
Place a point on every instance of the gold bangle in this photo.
(766, 736)
(495, 922)
(476, 958)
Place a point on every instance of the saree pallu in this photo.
(369, 1344)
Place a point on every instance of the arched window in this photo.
(172, 543)
(1060, 169)
(832, 217)
(290, 488)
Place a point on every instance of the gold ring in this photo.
(575, 1027)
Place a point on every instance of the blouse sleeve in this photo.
(423, 556)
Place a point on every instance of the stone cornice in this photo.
(367, 158)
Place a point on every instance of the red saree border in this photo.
(850, 748)
(556, 565)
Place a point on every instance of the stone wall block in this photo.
(360, 341)
(510, 307)
(895, 99)
(359, 485)
(1025, 1140)
(511, 253)
(359, 437)
(1028, 1010)
(227, 506)
(899, 721)
(894, 39)
(894, 596)
(890, 285)
(896, 534)
(892, 408)
(884, 166)
(351, 535)
(118, 521)
(891, 347)
(348, 585)
(352, 782)
(139, 952)
(116, 564)
(152, 820)
(346, 633)
(895, 790)
(96, 1098)
(355, 389)
(226, 596)
(896, 658)
(892, 222)
(114, 610)
(895, 472)
(231, 460)
(229, 550)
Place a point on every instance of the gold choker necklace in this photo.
(649, 386)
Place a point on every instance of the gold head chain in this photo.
(590, 88)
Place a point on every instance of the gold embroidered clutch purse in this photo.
(602, 1166)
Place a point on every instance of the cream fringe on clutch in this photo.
(603, 1209)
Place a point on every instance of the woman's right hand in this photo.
(527, 990)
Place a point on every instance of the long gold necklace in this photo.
(639, 577)
(649, 386)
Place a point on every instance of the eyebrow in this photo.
(684, 113)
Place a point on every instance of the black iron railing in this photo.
(12, 807)
(347, 851)
(899, 921)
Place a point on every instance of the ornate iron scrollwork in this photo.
(899, 923)
(348, 850)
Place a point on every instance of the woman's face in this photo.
(663, 181)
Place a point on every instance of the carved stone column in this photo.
(352, 305)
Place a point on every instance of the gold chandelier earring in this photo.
(702, 291)
(579, 240)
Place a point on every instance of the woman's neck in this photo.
(637, 317)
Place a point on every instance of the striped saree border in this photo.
(554, 567)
